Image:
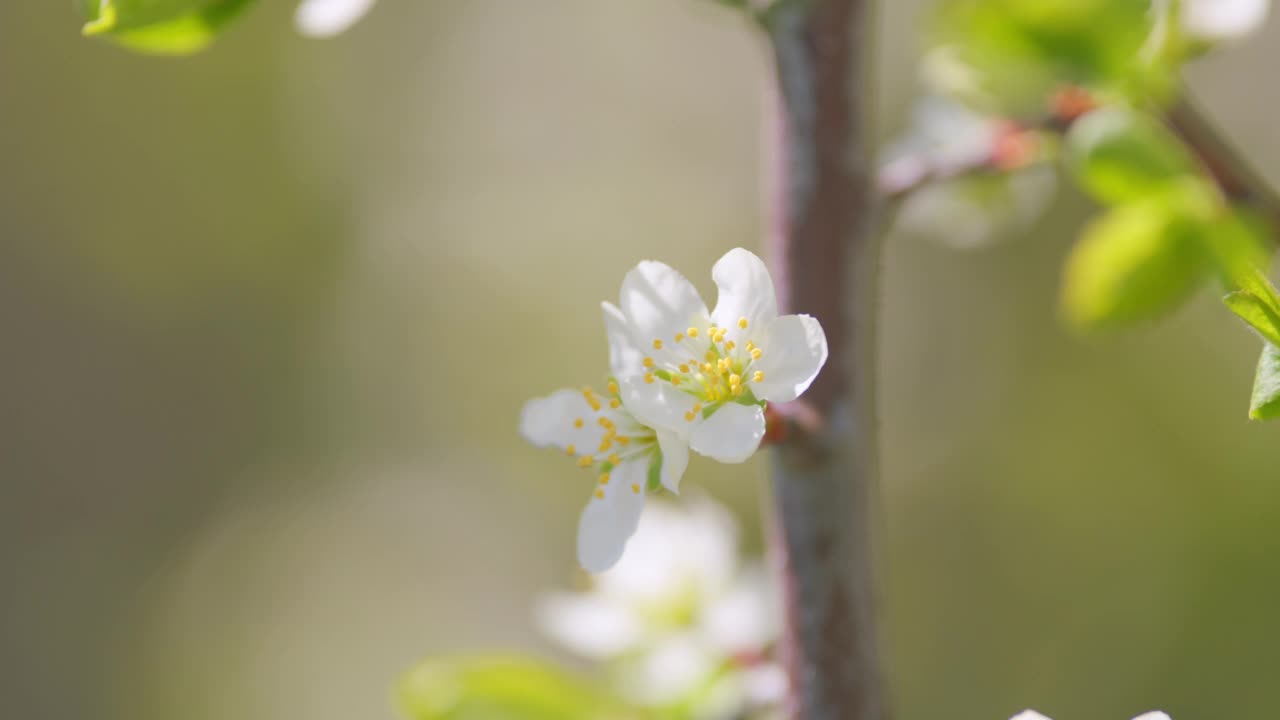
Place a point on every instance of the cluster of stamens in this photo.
(720, 373)
(616, 444)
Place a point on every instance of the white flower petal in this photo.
(731, 435)
(625, 358)
(746, 291)
(587, 624)
(674, 667)
(1155, 715)
(745, 617)
(793, 353)
(325, 18)
(1029, 715)
(1223, 19)
(659, 302)
(607, 523)
(658, 405)
(549, 421)
(675, 458)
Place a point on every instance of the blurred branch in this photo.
(1234, 176)
(825, 254)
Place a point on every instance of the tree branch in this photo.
(1233, 175)
(825, 256)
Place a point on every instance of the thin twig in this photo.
(825, 255)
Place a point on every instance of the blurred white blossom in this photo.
(678, 616)
(1222, 19)
(1033, 715)
(326, 18)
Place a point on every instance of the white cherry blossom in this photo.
(1222, 19)
(326, 18)
(625, 456)
(1033, 715)
(676, 610)
(705, 376)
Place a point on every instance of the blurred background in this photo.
(268, 315)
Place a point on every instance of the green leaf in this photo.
(1014, 53)
(1134, 263)
(1265, 404)
(1121, 155)
(1259, 310)
(502, 688)
(163, 27)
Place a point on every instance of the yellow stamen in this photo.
(706, 368)
(614, 459)
(615, 403)
(590, 397)
(711, 355)
(657, 344)
(570, 451)
(648, 362)
(735, 379)
(635, 489)
(605, 444)
(758, 376)
(577, 422)
(679, 337)
(604, 478)
(755, 354)
(691, 332)
(584, 461)
(737, 390)
(648, 378)
(684, 369)
(604, 422)
(730, 345)
(690, 415)
(751, 345)
(600, 494)
(613, 388)
(742, 323)
(623, 440)
(675, 379)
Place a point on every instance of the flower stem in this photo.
(825, 257)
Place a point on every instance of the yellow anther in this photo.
(735, 379)
(571, 451)
(697, 407)
(604, 478)
(722, 364)
(742, 323)
(600, 494)
(615, 403)
(614, 459)
(590, 397)
(577, 422)
(611, 433)
(604, 422)
(737, 390)
(623, 440)
(758, 376)
(605, 444)
(684, 369)
(679, 337)
(648, 378)
(751, 345)
(720, 335)
(690, 415)
(585, 461)
(675, 379)
(730, 345)
(706, 368)
(755, 353)
(648, 362)
(657, 344)
(635, 489)
(711, 355)
(691, 332)
(613, 388)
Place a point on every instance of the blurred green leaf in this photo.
(1134, 263)
(1020, 51)
(1265, 404)
(164, 27)
(503, 688)
(1120, 154)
